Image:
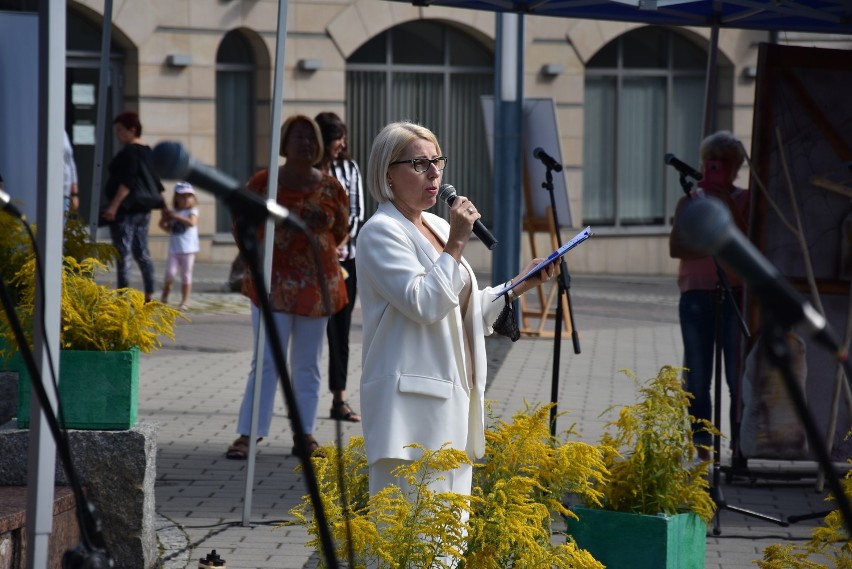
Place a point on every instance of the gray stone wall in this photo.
(117, 469)
(8, 396)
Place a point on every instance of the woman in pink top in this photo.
(722, 155)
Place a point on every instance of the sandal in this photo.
(311, 445)
(239, 448)
(341, 411)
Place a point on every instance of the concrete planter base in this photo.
(117, 470)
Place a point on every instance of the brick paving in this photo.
(192, 390)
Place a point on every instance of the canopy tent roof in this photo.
(821, 16)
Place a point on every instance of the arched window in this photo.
(235, 112)
(644, 97)
(434, 75)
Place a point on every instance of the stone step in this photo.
(65, 533)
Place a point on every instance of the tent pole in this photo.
(269, 235)
(711, 88)
(508, 105)
(41, 459)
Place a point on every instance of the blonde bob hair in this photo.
(288, 126)
(388, 147)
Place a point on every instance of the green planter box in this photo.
(98, 390)
(635, 541)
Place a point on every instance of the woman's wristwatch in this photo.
(511, 296)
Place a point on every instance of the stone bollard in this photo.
(118, 471)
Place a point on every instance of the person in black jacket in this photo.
(128, 225)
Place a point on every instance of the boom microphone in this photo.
(683, 167)
(172, 162)
(448, 194)
(706, 226)
(546, 159)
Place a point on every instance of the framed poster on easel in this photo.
(802, 222)
(540, 130)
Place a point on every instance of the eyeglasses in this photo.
(422, 164)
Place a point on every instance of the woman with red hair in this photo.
(128, 226)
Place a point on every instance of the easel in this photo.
(533, 225)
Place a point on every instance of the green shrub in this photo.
(517, 492)
(646, 466)
(93, 317)
(650, 454)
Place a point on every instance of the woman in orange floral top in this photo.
(295, 291)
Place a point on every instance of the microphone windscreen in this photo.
(447, 193)
(704, 225)
(170, 161)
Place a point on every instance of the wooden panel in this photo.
(803, 126)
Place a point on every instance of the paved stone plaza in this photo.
(192, 390)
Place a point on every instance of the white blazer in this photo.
(413, 383)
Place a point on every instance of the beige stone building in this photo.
(201, 72)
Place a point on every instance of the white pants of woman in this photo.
(458, 480)
(305, 337)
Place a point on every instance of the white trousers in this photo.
(305, 337)
(459, 480)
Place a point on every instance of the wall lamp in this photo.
(179, 60)
(552, 69)
(309, 64)
(750, 72)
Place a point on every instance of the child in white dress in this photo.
(181, 223)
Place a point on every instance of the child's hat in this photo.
(184, 188)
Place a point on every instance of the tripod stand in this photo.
(721, 295)
(563, 281)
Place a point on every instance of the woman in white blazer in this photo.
(425, 318)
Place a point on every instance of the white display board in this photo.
(539, 131)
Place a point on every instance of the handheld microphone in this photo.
(172, 162)
(683, 167)
(707, 226)
(546, 159)
(6, 203)
(448, 194)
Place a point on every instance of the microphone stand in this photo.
(246, 231)
(563, 280)
(722, 293)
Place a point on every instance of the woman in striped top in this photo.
(337, 162)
